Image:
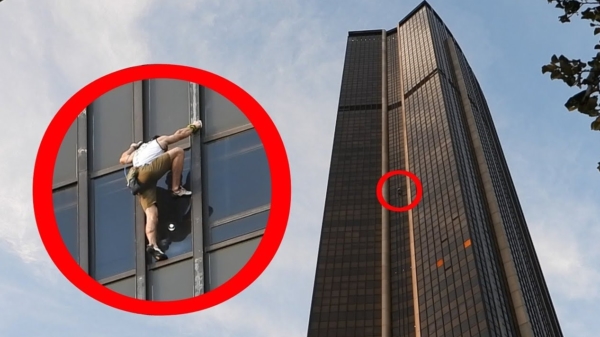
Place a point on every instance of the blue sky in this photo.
(288, 54)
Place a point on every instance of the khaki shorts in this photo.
(149, 175)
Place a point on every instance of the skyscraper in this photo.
(462, 262)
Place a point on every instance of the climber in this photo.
(151, 161)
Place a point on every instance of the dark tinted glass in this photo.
(238, 175)
(111, 126)
(66, 162)
(125, 287)
(65, 209)
(347, 292)
(220, 114)
(114, 226)
(172, 282)
(168, 106)
(174, 214)
(226, 262)
(239, 227)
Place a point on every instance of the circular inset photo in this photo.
(161, 189)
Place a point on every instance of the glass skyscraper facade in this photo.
(208, 237)
(461, 263)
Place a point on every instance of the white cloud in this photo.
(54, 50)
(563, 227)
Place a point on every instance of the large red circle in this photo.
(390, 174)
(280, 189)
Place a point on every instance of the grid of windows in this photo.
(403, 319)
(430, 159)
(361, 79)
(536, 296)
(103, 225)
(494, 290)
(416, 49)
(235, 164)
(347, 290)
(461, 282)
(449, 294)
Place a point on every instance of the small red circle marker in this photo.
(410, 206)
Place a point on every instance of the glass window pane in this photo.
(220, 114)
(226, 262)
(65, 169)
(114, 226)
(174, 214)
(172, 282)
(238, 175)
(111, 126)
(239, 227)
(168, 107)
(65, 209)
(125, 287)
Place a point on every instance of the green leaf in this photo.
(570, 81)
(596, 124)
(587, 14)
(554, 59)
(556, 74)
(596, 31)
(591, 103)
(589, 106)
(572, 6)
(548, 68)
(574, 102)
(567, 69)
(564, 19)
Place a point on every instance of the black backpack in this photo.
(132, 181)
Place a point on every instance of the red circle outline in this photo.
(280, 189)
(408, 207)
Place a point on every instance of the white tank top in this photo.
(146, 153)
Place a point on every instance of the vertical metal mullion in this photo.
(386, 296)
(82, 193)
(198, 207)
(411, 225)
(140, 232)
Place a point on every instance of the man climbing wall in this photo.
(151, 161)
